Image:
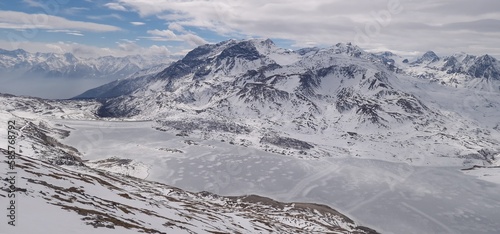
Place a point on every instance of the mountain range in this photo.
(458, 70)
(322, 102)
(20, 63)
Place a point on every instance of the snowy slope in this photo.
(57, 193)
(94, 201)
(33, 108)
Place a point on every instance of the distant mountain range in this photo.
(20, 63)
(458, 70)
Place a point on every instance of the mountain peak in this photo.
(13, 53)
(70, 57)
(225, 55)
(386, 54)
(249, 49)
(243, 49)
(348, 48)
(269, 41)
(487, 59)
(265, 42)
(232, 41)
(485, 67)
(428, 57)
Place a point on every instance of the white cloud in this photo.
(115, 6)
(154, 38)
(444, 25)
(33, 3)
(123, 48)
(75, 34)
(103, 17)
(69, 32)
(169, 35)
(176, 27)
(75, 10)
(20, 20)
(130, 47)
(62, 31)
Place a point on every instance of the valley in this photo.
(443, 198)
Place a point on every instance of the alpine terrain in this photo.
(396, 145)
(333, 102)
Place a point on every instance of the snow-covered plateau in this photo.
(398, 146)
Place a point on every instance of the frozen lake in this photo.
(389, 197)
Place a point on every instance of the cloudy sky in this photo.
(121, 27)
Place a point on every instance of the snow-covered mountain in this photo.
(25, 64)
(53, 178)
(317, 102)
(458, 70)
